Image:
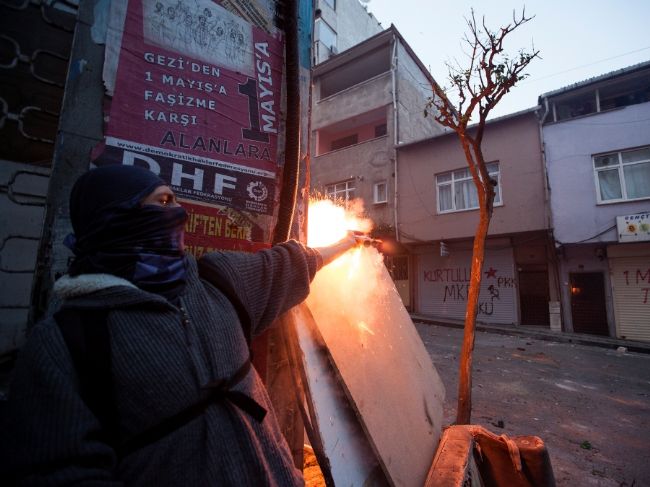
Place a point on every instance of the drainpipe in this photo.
(548, 213)
(547, 209)
(393, 71)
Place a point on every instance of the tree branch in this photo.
(481, 86)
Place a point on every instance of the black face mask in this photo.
(116, 234)
(143, 245)
(147, 229)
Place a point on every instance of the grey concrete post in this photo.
(80, 129)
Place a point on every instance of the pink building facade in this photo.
(438, 213)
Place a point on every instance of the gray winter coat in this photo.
(161, 356)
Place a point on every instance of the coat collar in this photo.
(68, 287)
(108, 291)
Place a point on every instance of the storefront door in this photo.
(588, 310)
(533, 297)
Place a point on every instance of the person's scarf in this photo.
(115, 234)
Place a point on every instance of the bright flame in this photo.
(329, 223)
(350, 293)
(346, 290)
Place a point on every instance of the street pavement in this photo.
(590, 404)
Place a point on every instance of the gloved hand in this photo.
(365, 240)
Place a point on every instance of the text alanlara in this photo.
(214, 145)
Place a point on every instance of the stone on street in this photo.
(590, 405)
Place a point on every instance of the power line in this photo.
(589, 238)
(575, 68)
(531, 80)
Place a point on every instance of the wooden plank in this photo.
(386, 372)
(343, 452)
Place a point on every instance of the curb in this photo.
(575, 338)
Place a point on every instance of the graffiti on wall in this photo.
(456, 286)
(641, 279)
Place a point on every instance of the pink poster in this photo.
(211, 228)
(196, 99)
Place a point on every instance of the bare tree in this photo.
(491, 74)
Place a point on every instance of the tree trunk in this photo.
(464, 410)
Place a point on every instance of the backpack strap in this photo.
(86, 335)
(215, 391)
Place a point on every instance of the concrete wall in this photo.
(351, 22)
(367, 163)
(412, 94)
(569, 146)
(372, 161)
(514, 142)
(356, 100)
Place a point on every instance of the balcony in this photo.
(357, 100)
(352, 131)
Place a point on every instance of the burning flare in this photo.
(353, 280)
(329, 223)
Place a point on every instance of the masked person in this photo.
(178, 403)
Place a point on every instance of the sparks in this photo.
(329, 223)
(352, 279)
(362, 326)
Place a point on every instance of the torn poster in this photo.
(196, 98)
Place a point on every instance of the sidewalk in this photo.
(541, 333)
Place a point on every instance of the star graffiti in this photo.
(491, 272)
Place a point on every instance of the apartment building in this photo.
(340, 25)
(596, 136)
(366, 101)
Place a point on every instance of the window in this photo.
(616, 93)
(575, 106)
(627, 92)
(325, 34)
(398, 266)
(344, 142)
(456, 190)
(622, 176)
(343, 191)
(355, 72)
(380, 130)
(380, 192)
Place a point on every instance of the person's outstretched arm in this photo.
(332, 252)
(271, 281)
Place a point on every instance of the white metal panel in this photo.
(630, 278)
(351, 460)
(443, 285)
(382, 363)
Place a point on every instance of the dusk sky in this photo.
(578, 39)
